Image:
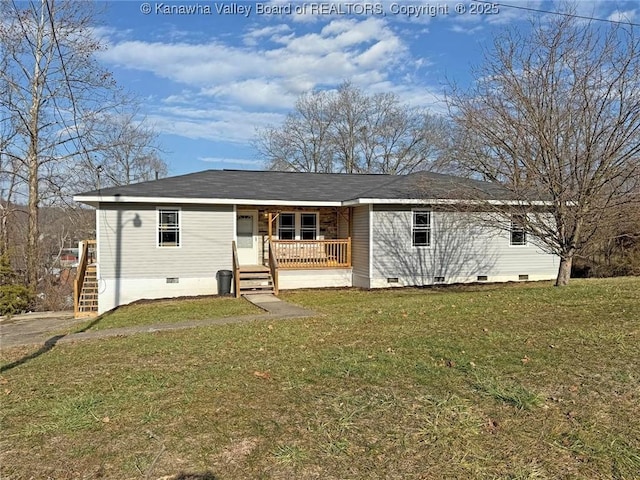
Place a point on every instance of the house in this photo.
(284, 230)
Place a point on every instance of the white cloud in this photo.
(273, 33)
(224, 88)
(216, 124)
(467, 30)
(622, 16)
(339, 50)
(256, 92)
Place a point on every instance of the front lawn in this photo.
(511, 381)
(151, 312)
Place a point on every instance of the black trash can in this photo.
(224, 281)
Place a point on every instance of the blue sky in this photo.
(207, 80)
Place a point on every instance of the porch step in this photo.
(88, 301)
(254, 279)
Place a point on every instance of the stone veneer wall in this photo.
(328, 219)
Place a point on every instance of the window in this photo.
(421, 228)
(287, 226)
(518, 234)
(298, 226)
(168, 227)
(308, 226)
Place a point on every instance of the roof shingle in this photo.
(306, 187)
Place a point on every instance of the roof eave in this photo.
(94, 200)
(442, 201)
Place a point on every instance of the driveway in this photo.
(58, 327)
(36, 327)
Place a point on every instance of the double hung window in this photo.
(287, 226)
(168, 227)
(298, 226)
(421, 228)
(518, 233)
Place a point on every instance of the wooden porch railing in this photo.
(299, 254)
(236, 270)
(81, 272)
(273, 267)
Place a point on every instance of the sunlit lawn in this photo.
(514, 381)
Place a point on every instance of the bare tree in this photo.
(53, 83)
(303, 143)
(554, 115)
(125, 150)
(352, 132)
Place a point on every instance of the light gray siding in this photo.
(462, 248)
(360, 246)
(127, 242)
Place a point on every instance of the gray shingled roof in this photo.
(312, 187)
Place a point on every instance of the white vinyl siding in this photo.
(360, 246)
(461, 250)
(128, 238)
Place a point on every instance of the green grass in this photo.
(150, 312)
(519, 381)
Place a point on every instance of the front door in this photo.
(247, 237)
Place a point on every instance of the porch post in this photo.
(270, 229)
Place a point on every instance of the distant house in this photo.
(285, 230)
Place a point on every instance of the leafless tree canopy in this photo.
(352, 132)
(555, 115)
(53, 97)
(125, 150)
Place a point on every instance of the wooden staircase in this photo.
(88, 301)
(254, 279)
(85, 285)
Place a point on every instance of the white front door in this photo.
(247, 237)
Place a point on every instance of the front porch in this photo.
(273, 240)
(295, 264)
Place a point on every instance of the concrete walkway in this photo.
(45, 328)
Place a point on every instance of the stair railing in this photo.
(236, 270)
(78, 283)
(273, 267)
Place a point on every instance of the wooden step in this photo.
(252, 275)
(255, 279)
(88, 301)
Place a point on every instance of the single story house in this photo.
(284, 230)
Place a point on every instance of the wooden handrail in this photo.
(78, 282)
(273, 267)
(313, 253)
(236, 270)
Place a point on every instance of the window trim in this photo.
(427, 228)
(315, 230)
(517, 228)
(159, 211)
(297, 220)
(288, 228)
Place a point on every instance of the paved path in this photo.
(45, 328)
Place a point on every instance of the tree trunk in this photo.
(33, 252)
(564, 271)
(33, 162)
